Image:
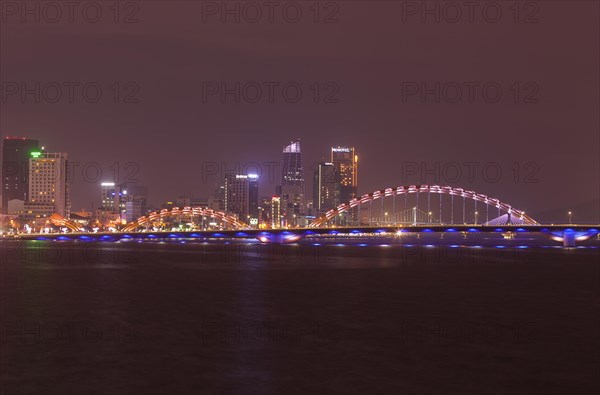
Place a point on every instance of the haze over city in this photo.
(169, 122)
(299, 197)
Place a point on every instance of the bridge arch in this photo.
(416, 189)
(185, 212)
(58, 220)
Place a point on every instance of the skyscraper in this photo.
(241, 197)
(325, 188)
(109, 197)
(126, 201)
(48, 184)
(275, 212)
(291, 188)
(253, 200)
(345, 162)
(16, 152)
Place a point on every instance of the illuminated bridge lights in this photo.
(403, 190)
(279, 238)
(187, 212)
(574, 233)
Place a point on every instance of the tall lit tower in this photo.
(48, 184)
(241, 197)
(291, 188)
(345, 162)
(109, 197)
(16, 152)
(275, 212)
(325, 187)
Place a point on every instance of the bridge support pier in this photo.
(568, 238)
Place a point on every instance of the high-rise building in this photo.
(217, 202)
(264, 211)
(109, 197)
(241, 197)
(291, 188)
(253, 200)
(325, 188)
(139, 195)
(48, 184)
(345, 162)
(275, 212)
(115, 199)
(16, 152)
(133, 210)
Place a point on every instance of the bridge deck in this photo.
(255, 233)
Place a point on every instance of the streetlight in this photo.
(385, 219)
(570, 215)
(476, 217)
(429, 218)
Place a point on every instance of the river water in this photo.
(350, 316)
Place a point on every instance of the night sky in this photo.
(361, 61)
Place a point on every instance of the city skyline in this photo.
(544, 137)
(269, 180)
(299, 197)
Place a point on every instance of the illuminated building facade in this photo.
(109, 197)
(116, 199)
(48, 184)
(241, 197)
(345, 162)
(325, 188)
(275, 212)
(291, 188)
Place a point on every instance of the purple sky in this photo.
(550, 133)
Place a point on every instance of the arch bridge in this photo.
(435, 213)
(186, 213)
